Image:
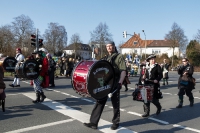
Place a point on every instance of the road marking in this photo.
(167, 93)
(13, 94)
(187, 128)
(154, 119)
(134, 113)
(103, 125)
(39, 126)
(87, 100)
(151, 118)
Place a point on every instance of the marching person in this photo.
(43, 63)
(51, 69)
(185, 82)
(165, 70)
(120, 72)
(151, 74)
(20, 58)
(2, 88)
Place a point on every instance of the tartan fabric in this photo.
(36, 85)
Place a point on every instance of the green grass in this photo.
(8, 74)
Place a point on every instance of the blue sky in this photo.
(155, 17)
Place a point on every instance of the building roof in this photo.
(80, 46)
(136, 42)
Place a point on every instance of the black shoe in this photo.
(126, 89)
(158, 110)
(163, 84)
(179, 106)
(114, 126)
(52, 86)
(90, 125)
(191, 104)
(11, 85)
(17, 86)
(145, 115)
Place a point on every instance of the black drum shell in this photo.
(28, 69)
(8, 64)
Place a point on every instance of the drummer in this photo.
(151, 74)
(20, 58)
(120, 72)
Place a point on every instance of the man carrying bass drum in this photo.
(120, 72)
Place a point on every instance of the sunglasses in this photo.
(183, 61)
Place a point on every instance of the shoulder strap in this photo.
(113, 58)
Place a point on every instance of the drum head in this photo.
(9, 64)
(31, 69)
(100, 79)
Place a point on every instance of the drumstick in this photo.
(110, 94)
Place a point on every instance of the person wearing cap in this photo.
(20, 58)
(152, 75)
(165, 70)
(118, 62)
(43, 63)
(185, 82)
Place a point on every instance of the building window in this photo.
(155, 51)
(135, 42)
(135, 51)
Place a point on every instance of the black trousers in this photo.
(51, 77)
(99, 106)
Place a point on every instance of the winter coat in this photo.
(189, 69)
(154, 73)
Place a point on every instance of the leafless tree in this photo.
(6, 41)
(100, 35)
(22, 28)
(75, 41)
(197, 37)
(176, 37)
(55, 37)
(119, 46)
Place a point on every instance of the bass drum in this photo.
(93, 78)
(8, 63)
(28, 69)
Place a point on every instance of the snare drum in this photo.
(28, 69)
(93, 78)
(8, 64)
(145, 92)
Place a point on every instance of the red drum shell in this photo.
(93, 78)
(150, 90)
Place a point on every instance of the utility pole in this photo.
(145, 43)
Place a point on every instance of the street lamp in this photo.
(145, 43)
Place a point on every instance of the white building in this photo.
(138, 46)
(82, 50)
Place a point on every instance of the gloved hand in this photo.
(40, 78)
(119, 86)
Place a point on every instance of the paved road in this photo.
(64, 111)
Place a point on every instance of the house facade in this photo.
(82, 50)
(138, 46)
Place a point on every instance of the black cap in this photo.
(110, 42)
(150, 57)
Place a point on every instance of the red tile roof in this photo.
(141, 43)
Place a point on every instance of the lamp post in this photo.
(145, 43)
